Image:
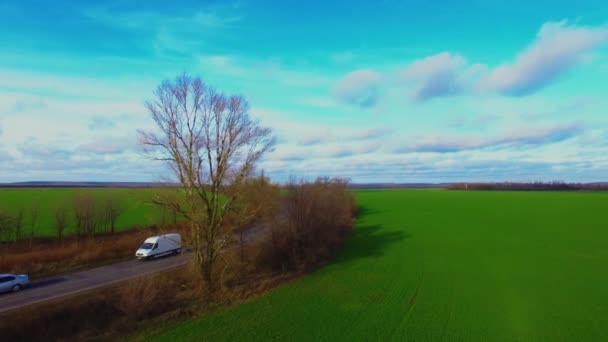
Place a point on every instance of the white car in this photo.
(13, 283)
(157, 246)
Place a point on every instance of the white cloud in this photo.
(290, 129)
(58, 110)
(360, 88)
(438, 75)
(517, 165)
(558, 48)
(101, 123)
(432, 66)
(523, 136)
(253, 71)
(38, 85)
(32, 148)
(5, 156)
(109, 145)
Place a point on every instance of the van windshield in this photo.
(147, 245)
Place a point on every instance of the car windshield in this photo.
(147, 245)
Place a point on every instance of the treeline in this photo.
(87, 214)
(531, 186)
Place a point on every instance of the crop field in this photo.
(136, 202)
(433, 265)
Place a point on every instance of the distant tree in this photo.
(114, 207)
(168, 202)
(212, 145)
(61, 221)
(6, 226)
(33, 220)
(86, 213)
(18, 223)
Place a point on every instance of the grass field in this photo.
(138, 210)
(433, 265)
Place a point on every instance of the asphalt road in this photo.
(70, 284)
(67, 285)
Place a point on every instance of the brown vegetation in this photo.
(50, 257)
(34, 209)
(61, 220)
(96, 214)
(113, 207)
(315, 218)
(117, 310)
(256, 208)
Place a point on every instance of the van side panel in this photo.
(167, 244)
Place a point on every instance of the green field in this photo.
(137, 209)
(434, 265)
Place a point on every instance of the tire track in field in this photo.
(411, 304)
(450, 314)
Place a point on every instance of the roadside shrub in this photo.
(110, 312)
(139, 296)
(313, 221)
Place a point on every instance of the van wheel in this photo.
(16, 288)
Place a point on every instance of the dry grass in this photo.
(103, 314)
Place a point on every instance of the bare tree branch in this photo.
(212, 145)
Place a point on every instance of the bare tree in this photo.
(61, 220)
(168, 200)
(33, 220)
(86, 214)
(18, 223)
(212, 145)
(114, 207)
(6, 226)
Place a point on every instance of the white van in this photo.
(157, 246)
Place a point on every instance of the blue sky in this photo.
(387, 91)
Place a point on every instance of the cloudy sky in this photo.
(386, 91)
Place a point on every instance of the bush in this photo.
(313, 221)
